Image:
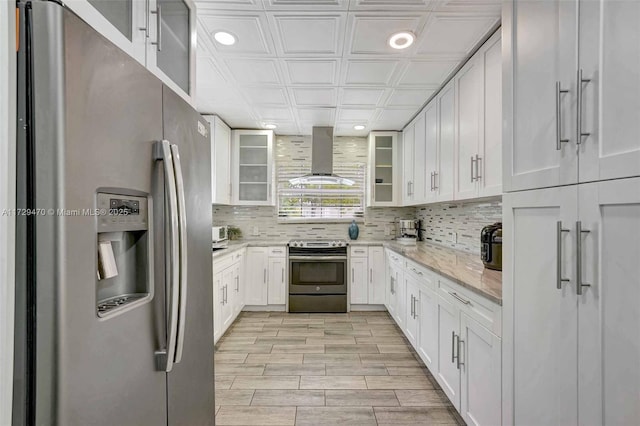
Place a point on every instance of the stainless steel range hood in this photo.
(321, 161)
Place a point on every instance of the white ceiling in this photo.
(304, 63)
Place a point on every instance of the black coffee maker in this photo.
(491, 250)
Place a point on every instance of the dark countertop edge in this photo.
(455, 280)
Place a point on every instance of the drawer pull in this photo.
(454, 294)
(417, 272)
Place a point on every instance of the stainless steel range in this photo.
(318, 276)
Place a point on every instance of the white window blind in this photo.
(317, 202)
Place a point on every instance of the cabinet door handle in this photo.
(454, 294)
(478, 159)
(238, 284)
(579, 133)
(353, 274)
(559, 279)
(158, 42)
(559, 139)
(222, 295)
(435, 180)
(411, 311)
(472, 176)
(370, 275)
(460, 342)
(453, 346)
(392, 289)
(579, 283)
(264, 276)
(225, 294)
(283, 275)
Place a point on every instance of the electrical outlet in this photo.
(454, 237)
(388, 229)
(255, 231)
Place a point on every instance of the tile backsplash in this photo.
(440, 221)
(266, 220)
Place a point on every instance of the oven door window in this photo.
(315, 273)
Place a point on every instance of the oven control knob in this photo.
(317, 288)
(334, 244)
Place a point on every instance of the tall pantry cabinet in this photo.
(571, 280)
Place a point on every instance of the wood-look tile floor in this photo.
(274, 368)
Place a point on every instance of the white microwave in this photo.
(219, 233)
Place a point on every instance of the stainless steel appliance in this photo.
(318, 276)
(113, 289)
(491, 246)
(408, 231)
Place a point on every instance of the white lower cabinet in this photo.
(266, 276)
(572, 289)
(228, 296)
(428, 328)
(277, 287)
(359, 291)
(455, 332)
(256, 273)
(367, 278)
(448, 371)
(481, 388)
(411, 300)
(376, 276)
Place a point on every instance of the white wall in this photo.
(7, 201)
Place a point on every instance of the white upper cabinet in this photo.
(610, 108)
(419, 155)
(490, 148)
(539, 94)
(252, 168)
(469, 114)
(220, 160)
(160, 34)
(478, 156)
(408, 143)
(413, 166)
(431, 164)
(443, 180)
(171, 46)
(384, 169)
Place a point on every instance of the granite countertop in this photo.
(463, 268)
(367, 242)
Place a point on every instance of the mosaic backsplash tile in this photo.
(439, 220)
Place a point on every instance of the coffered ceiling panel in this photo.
(253, 71)
(373, 72)
(323, 34)
(453, 35)
(315, 96)
(312, 72)
(300, 63)
(370, 33)
(251, 32)
(362, 97)
(409, 97)
(426, 73)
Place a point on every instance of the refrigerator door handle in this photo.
(182, 226)
(165, 357)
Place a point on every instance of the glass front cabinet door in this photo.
(253, 178)
(384, 178)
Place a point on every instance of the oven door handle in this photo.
(317, 257)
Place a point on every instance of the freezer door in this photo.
(97, 113)
(190, 384)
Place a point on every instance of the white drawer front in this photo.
(359, 251)
(482, 310)
(279, 251)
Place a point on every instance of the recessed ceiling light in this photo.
(225, 38)
(270, 126)
(401, 40)
(358, 127)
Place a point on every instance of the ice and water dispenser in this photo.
(125, 254)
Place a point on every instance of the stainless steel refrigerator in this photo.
(114, 296)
